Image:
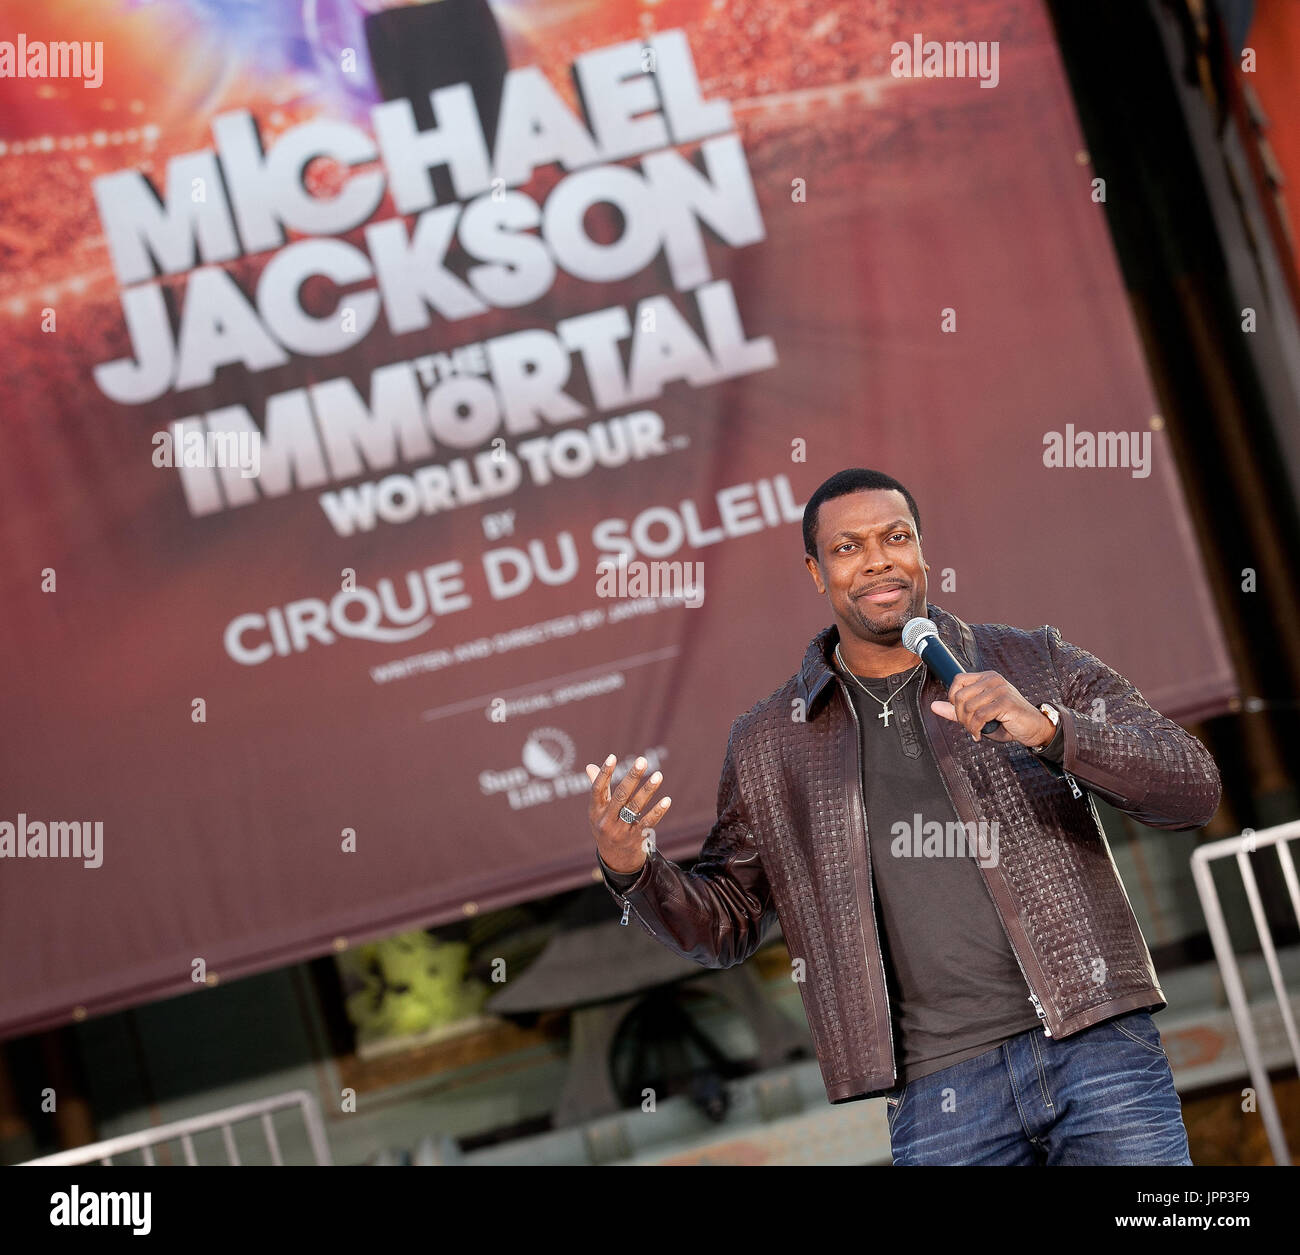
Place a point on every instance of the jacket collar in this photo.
(818, 667)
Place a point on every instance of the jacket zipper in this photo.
(627, 906)
(871, 892)
(1033, 997)
(1069, 779)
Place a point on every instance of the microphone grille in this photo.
(914, 630)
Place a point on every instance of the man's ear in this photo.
(814, 570)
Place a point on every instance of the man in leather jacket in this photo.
(957, 928)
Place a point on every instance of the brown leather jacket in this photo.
(790, 842)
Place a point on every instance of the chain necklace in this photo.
(886, 712)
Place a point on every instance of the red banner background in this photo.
(224, 839)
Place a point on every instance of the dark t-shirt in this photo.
(955, 987)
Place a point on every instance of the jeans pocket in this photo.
(894, 1103)
(1138, 1028)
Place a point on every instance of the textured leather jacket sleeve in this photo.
(1127, 752)
(717, 913)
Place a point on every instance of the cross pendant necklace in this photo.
(885, 705)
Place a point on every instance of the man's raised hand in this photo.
(624, 846)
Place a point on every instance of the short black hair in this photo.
(855, 479)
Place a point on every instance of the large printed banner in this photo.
(1267, 63)
(407, 405)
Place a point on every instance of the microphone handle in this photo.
(947, 668)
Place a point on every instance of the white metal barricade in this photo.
(1242, 848)
(184, 1130)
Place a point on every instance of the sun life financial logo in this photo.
(546, 771)
(547, 752)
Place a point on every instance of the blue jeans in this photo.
(1102, 1096)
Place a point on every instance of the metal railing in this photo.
(184, 1131)
(1242, 848)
